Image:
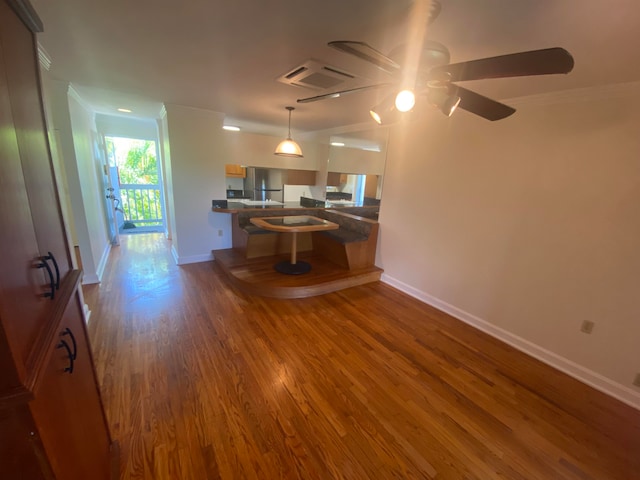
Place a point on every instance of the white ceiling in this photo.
(226, 55)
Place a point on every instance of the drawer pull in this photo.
(52, 284)
(65, 345)
(55, 266)
(67, 331)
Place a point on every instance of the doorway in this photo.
(137, 185)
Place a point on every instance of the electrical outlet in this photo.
(636, 382)
(219, 233)
(587, 326)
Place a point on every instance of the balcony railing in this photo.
(142, 205)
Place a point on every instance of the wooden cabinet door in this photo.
(236, 171)
(23, 309)
(23, 81)
(68, 409)
(18, 456)
(371, 186)
(301, 177)
(333, 179)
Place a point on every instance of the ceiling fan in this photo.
(436, 77)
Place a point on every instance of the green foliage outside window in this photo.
(137, 165)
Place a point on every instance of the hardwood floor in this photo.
(202, 381)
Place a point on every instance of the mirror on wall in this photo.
(349, 171)
(356, 167)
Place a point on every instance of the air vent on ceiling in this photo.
(316, 75)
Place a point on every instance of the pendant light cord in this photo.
(290, 110)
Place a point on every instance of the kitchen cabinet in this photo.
(335, 179)
(371, 186)
(235, 171)
(300, 177)
(52, 424)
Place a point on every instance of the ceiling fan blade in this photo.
(484, 107)
(536, 62)
(341, 93)
(366, 52)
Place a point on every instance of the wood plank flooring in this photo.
(202, 381)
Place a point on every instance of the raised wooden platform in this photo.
(258, 277)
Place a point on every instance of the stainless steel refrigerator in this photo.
(263, 184)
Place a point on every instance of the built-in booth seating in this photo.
(351, 246)
(258, 242)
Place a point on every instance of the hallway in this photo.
(200, 381)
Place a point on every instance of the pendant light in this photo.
(287, 147)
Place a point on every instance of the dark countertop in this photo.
(368, 211)
(233, 207)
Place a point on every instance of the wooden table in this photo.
(293, 224)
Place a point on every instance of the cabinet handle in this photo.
(55, 266)
(52, 284)
(67, 331)
(65, 345)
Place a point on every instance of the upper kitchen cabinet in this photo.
(235, 171)
(334, 179)
(300, 177)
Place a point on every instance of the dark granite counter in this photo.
(233, 207)
(370, 211)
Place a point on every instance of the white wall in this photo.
(93, 236)
(72, 125)
(196, 178)
(117, 126)
(353, 160)
(257, 151)
(167, 178)
(526, 227)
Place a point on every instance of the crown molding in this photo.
(44, 57)
(27, 14)
(73, 93)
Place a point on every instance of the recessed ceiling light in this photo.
(231, 128)
(125, 110)
(337, 144)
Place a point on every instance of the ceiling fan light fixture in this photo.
(405, 100)
(385, 112)
(441, 98)
(375, 115)
(450, 104)
(288, 147)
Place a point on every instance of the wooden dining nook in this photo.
(300, 252)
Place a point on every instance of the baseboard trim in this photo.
(589, 377)
(89, 278)
(103, 261)
(208, 257)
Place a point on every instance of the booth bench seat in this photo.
(351, 246)
(258, 242)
